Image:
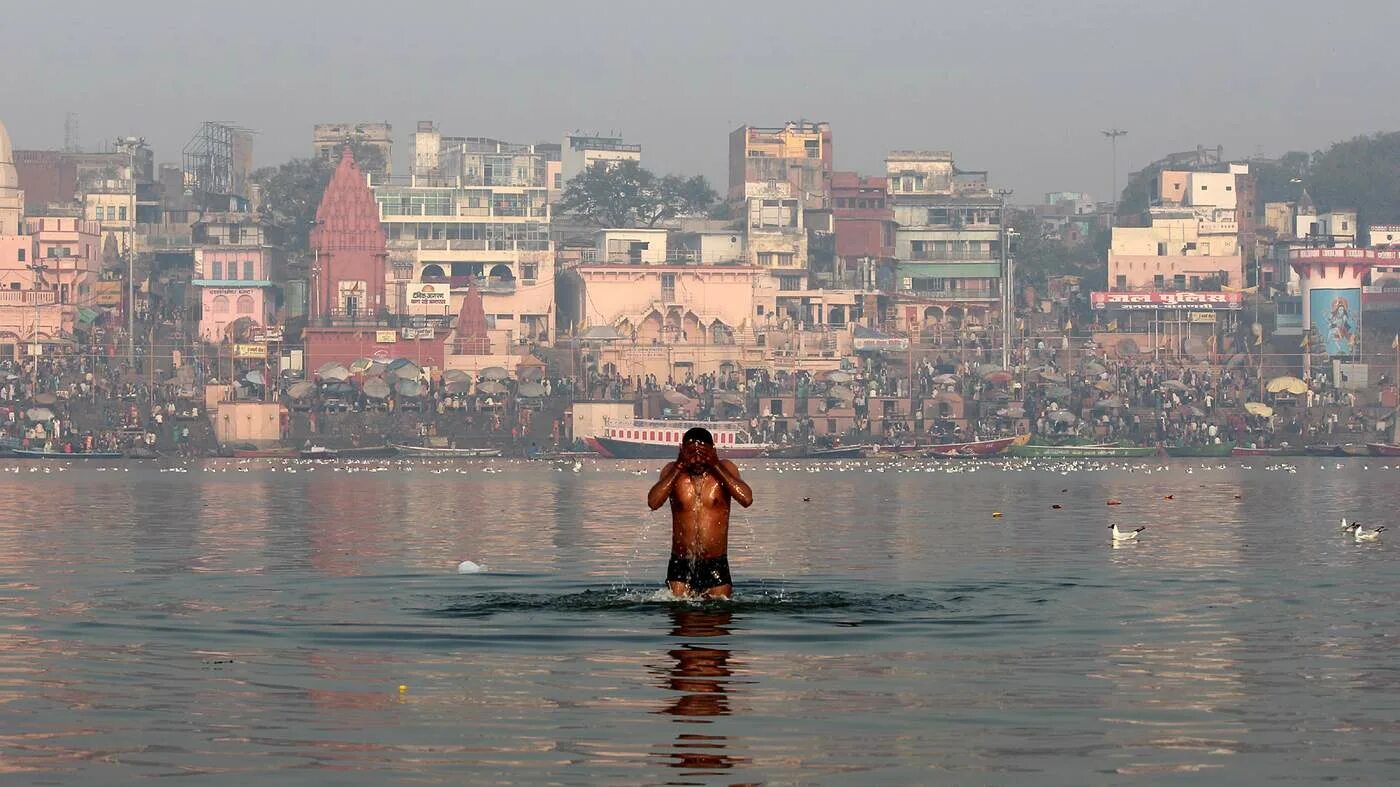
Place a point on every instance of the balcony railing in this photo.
(930, 255)
(27, 298)
(672, 257)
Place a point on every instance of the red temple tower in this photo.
(471, 324)
(347, 274)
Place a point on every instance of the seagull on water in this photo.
(1362, 534)
(1125, 535)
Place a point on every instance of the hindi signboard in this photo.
(429, 298)
(1152, 299)
(250, 351)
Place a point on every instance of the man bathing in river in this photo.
(699, 485)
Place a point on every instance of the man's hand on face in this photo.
(707, 456)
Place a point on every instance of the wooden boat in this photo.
(637, 438)
(1383, 449)
(319, 453)
(975, 447)
(25, 453)
(424, 451)
(367, 452)
(266, 453)
(1209, 449)
(1103, 451)
(1322, 450)
(1286, 450)
(1352, 449)
(802, 452)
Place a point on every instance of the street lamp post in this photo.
(1008, 297)
(1113, 134)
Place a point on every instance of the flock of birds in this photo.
(1117, 532)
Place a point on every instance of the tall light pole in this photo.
(1113, 134)
(1008, 297)
(130, 144)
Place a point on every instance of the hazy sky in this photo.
(1019, 88)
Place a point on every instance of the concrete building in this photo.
(327, 139)
(798, 153)
(862, 219)
(947, 244)
(234, 266)
(580, 151)
(776, 235)
(11, 196)
(482, 214)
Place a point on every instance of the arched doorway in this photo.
(432, 273)
(245, 304)
(501, 274)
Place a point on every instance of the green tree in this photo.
(1361, 173)
(291, 192)
(626, 195)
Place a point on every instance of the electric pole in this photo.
(1113, 134)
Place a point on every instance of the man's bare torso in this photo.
(699, 516)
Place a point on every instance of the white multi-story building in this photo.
(581, 151)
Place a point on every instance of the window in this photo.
(1344, 226)
(245, 304)
(1229, 188)
(558, 180)
(1162, 249)
(121, 211)
(759, 310)
(111, 212)
(1120, 282)
(1158, 282)
(1179, 281)
(861, 203)
(14, 285)
(21, 255)
(529, 271)
(219, 305)
(248, 270)
(218, 272)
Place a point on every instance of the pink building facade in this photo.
(234, 283)
(47, 279)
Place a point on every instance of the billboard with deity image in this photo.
(1336, 319)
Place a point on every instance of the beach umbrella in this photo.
(1258, 408)
(39, 414)
(531, 390)
(839, 376)
(408, 388)
(999, 377)
(732, 397)
(945, 379)
(301, 390)
(1109, 403)
(376, 388)
(1052, 376)
(676, 397)
(529, 373)
(405, 369)
(494, 373)
(1057, 392)
(1173, 385)
(1105, 386)
(326, 367)
(1094, 367)
(339, 388)
(1063, 416)
(491, 388)
(45, 398)
(334, 373)
(359, 365)
(455, 376)
(255, 377)
(459, 386)
(1286, 384)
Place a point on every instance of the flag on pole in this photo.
(1304, 344)
(1395, 345)
(1069, 326)
(1112, 325)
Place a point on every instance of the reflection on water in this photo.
(699, 681)
(244, 619)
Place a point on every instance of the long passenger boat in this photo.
(1383, 449)
(639, 438)
(426, 451)
(1104, 451)
(25, 453)
(1209, 449)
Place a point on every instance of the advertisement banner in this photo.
(429, 298)
(1336, 319)
(1193, 301)
(385, 337)
(108, 293)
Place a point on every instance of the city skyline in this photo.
(1021, 92)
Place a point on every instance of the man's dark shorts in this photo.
(699, 574)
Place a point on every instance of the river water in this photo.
(282, 623)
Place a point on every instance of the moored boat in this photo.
(803, 452)
(1286, 450)
(319, 452)
(1323, 449)
(1383, 449)
(1209, 449)
(26, 453)
(424, 451)
(1102, 451)
(975, 447)
(638, 438)
(265, 453)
